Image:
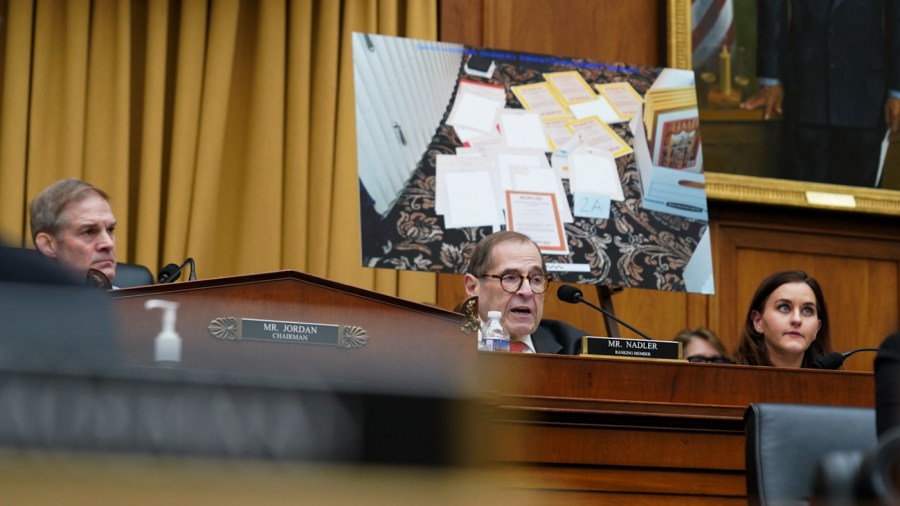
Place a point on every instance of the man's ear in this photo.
(45, 244)
(471, 284)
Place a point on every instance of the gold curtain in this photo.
(222, 129)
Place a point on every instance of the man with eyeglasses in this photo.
(507, 274)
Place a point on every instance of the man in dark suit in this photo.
(887, 384)
(835, 64)
(507, 274)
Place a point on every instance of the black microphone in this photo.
(572, 295)
(835, 359)
(172, 272)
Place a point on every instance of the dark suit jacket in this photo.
(835, 58)
(887, 384)
(553, 336)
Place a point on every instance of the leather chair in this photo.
(858, 478)
(785, 442)
(128, 275)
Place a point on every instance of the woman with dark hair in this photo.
(786, 324)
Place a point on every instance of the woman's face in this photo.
(789, 321)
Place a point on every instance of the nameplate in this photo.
(230, 328)
(619, 347)
(831, 199)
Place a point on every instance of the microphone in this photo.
(572, 295)
(835, 359)
(172, 272)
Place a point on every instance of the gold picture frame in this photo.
(764, 190)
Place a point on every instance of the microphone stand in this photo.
(604, 295)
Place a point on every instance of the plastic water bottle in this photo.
(494, 336)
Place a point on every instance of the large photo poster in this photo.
(599, 163)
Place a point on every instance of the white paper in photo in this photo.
(537, 216)
(595, 173)
(475, 112)
(466, 135)
(523, 130)
(504, 160)
(599, 108)
(531, 179)
(470, 201)
(559, 160)
(491, 141)
(470, 151)
(698, 276)
(445, 164)
(493, 92)
(673, 78)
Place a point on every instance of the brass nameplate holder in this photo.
(229, 328)
(617, 347)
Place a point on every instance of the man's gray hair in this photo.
(47, 208)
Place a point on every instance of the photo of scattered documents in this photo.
(599, 163)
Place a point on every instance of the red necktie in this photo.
(517, 346)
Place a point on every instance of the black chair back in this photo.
(128, 275)
(785, 442)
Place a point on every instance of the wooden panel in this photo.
(605, 479)
(461, 21)
(652, 432)
(678, 384)
(856, 259)
(622, 446)
(606, 30)
(592, 498)
(398, 353)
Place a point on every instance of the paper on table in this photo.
(544, 180)
(599, 108)
(622, 97)
(474, 111)
(536, 215)
(596, 173)
(672, 78)
(540, 98)
(557, 132)
(595, 134)
(470, 200)
(446, 164)
(570, 86)
(523, 130)
(491, 91)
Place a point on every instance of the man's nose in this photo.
(107, 240)
(525, 289)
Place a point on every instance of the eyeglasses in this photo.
(697, 359)
(511, 282)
